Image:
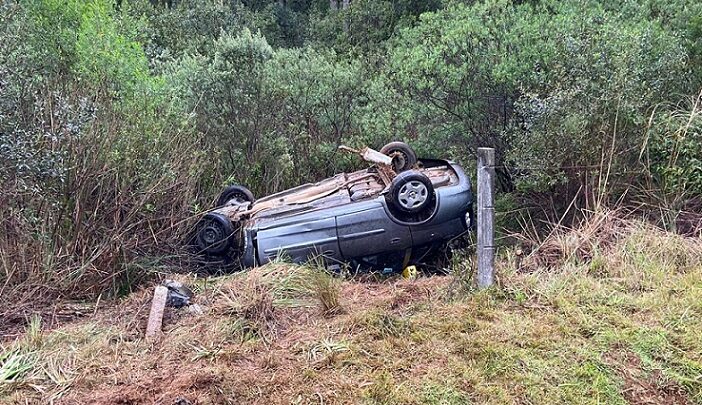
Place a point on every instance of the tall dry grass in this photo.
(671, 156)
(115, 213)
(606, 237)
(253, 297)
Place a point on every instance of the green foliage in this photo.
(225, 92)
(104, 54)
(317, 93)
(267, 111)
(120, 118)
(91, 150)
(601, 83)
(458, 72)
(675, 149)
(562, 90)
(51, 27)
(365, 24)
(184, 28)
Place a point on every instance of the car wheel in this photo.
(214, 234)
(411, 192)
(403, 157)
(235, 192)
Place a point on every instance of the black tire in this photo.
(214, 234)
(235, 191)
(411, 192)
(403, 157)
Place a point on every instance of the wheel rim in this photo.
(399, 160)
(238, 198)
(213, 233)
(413, 194)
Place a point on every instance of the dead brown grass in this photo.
(251, 301)
(213, 358)
(640, 387)
(598, 235)
(624, 327)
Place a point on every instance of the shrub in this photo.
(674, 149)
(562, 90)
(96, 163)
(272, 118)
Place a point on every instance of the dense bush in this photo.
(119, 120)
(97, 169)
(365, 25)
(673, 149)
(185, 27)
(272, 118)
(551, 86)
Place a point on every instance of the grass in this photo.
(14, 365)
(327, 351)
(615, 323)
(252, 298)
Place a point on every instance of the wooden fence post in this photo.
(158, 305)
(486, 217)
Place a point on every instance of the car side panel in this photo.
(299, 241)
(370, 231)
(438, 231)
(357, 230)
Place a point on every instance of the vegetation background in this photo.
(121, 120)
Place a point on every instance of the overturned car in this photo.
(385, 216)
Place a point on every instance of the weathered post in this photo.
(486, 217)
(158, 305)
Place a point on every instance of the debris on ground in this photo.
(178, 294)
(195, 309)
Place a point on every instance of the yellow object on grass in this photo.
(410, 272)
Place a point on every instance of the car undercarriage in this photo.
(396, 209)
